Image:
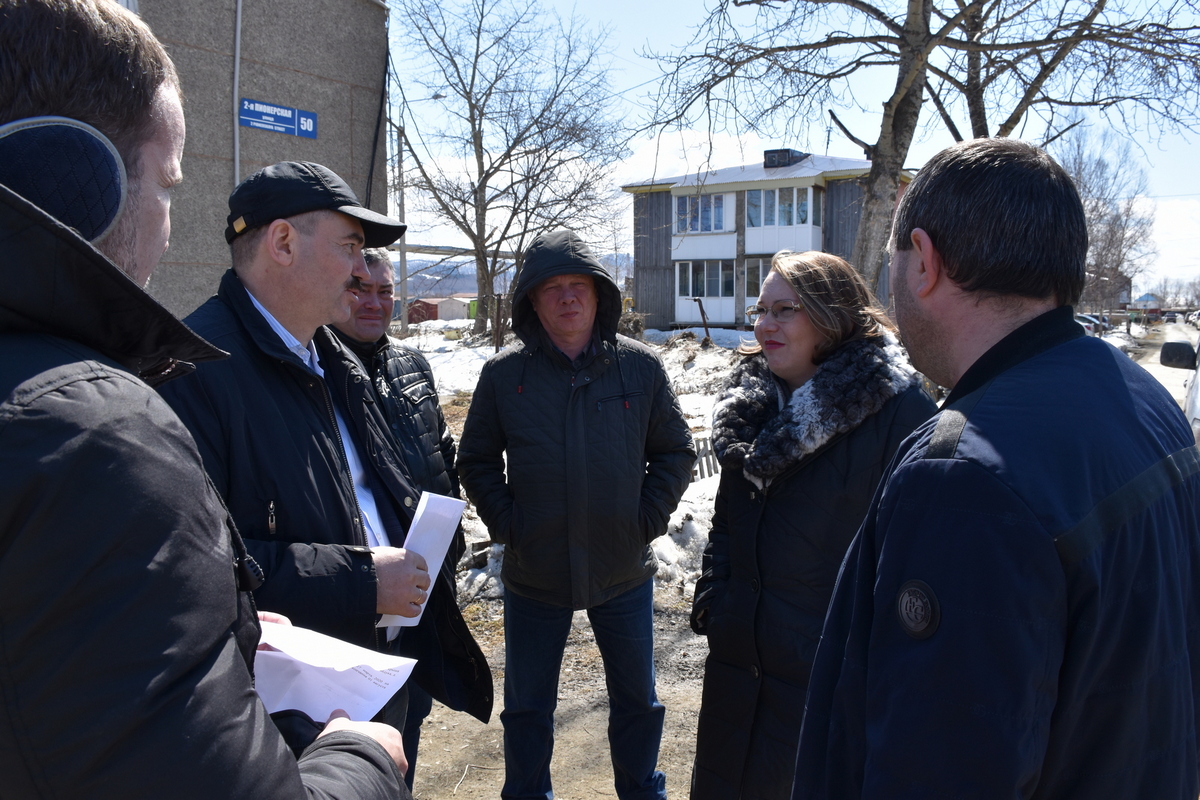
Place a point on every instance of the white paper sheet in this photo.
(430, 534)
(319, 674)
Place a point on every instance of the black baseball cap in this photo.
(294, 187)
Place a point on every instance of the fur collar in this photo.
(758, 429)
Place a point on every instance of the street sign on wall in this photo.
(281, 119)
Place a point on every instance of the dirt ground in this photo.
(463, 758)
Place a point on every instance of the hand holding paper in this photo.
(319, 674)
(430, 534)
(403, 581)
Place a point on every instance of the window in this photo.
(818, 202)
(786, 198)
(699, 213)
(705, 278)
(787, 206)
(756, 269)
(712, 287)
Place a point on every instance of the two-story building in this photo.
(711, 235)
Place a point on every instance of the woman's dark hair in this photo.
(836, 298)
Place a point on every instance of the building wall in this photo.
(843, 210)
(653, 273)
(323, 56)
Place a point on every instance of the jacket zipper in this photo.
(271, 517)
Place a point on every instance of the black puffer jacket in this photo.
(795, 484)
(265, 426)
(597, 457)
(407, 393)
(125, 647)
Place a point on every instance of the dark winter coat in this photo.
(407, 395)
(265, 426)
(125, 646)
(796, 482)
(574, 468)
(1018, 616)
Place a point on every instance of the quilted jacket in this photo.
(597, 454)
(125, 645)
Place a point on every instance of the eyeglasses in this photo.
(783, 312)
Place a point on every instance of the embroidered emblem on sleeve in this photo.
(917, 607)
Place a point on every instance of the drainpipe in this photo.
(237, 102)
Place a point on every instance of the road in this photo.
(1175, 380)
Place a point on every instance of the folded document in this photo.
(430, 534)
(319, 674)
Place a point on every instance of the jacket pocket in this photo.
(625, 397)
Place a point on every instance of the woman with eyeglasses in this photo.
(803, 430)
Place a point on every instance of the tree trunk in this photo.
(486, 300)
(975, 104)
(889, 153)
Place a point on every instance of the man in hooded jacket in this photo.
(598, 454)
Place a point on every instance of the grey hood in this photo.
(562, 252)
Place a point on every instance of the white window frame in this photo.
(690, 213)
(763, 264)
(718, 271)
(768, 199)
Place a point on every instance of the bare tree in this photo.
(1191, 293)
(1170, 292)
(1120, 219)
(773, 65)
(521, 142)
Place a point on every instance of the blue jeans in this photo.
(535, 635)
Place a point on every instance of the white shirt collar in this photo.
(307, 354)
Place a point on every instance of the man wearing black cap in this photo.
(291, 431)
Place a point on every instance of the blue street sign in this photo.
(281, 119)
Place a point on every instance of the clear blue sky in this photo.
(1172, 166)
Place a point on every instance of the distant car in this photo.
(1183, 356)
(1170, 316)
(1101, 324)
(1090, 324)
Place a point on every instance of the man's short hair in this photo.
(373, 255)
(1005, 217)
(243, 248)
(89, 60)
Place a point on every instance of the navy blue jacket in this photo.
(1019, 615)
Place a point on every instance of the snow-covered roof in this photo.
(810, 166)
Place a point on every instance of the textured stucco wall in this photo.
(325, 56)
